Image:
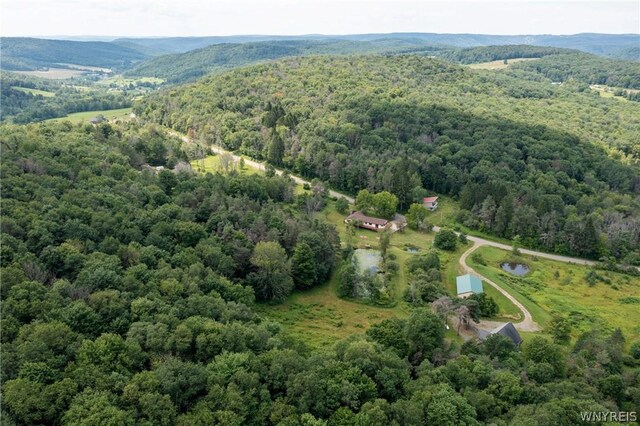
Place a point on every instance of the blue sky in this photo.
(226, 17)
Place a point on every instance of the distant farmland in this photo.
(54, 73)
(109, 114)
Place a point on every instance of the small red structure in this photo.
(430, 203)
(367, 222)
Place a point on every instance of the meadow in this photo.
(497, 65)
(611, 300)
(85, 116)
(34, 92)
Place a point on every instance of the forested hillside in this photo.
(128, 293)
(555, 165)
(19, 53)
(586, 68)
(197, 63)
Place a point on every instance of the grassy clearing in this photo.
(119, 80)
(34, 92)
(498, 65)
(555, 287)
(320, 317)
(211, 163)
(109, 114)
(608, 92)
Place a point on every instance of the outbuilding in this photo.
(466, 285)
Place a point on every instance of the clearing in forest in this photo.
(589, 298)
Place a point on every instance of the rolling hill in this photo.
(20, 53)
(402, 122)
(181, 67)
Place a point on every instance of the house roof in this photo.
(358, 215)
(429, 199)
(510, 331)
(507, 330)
(468, 283)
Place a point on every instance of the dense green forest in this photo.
(128, 299)
(556, 165)
(20, 106)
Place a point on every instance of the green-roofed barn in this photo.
(467, 285)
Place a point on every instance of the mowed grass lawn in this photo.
(553, 287)
(84, 117)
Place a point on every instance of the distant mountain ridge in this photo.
(22, 53)
(600, 44)
(19, 53)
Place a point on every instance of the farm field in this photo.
(497, 65)
(34, 92)
(553, 287)
(85, 116)
(54, 73)
(121, 80)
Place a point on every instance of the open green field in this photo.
(34, 92)
(120, 80)
(609, 92)
(554, 287)
(498, 65)
(110, 114)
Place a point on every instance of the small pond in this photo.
(367, 260)
(412, 249)
(518, 269)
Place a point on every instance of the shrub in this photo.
(478, 258)
(446, 240)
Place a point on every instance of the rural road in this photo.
(260, 166)
(525, 325)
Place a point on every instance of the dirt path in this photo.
(527, 324)
(260, 166)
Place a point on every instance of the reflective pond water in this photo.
(367, 260)
(518, 269)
